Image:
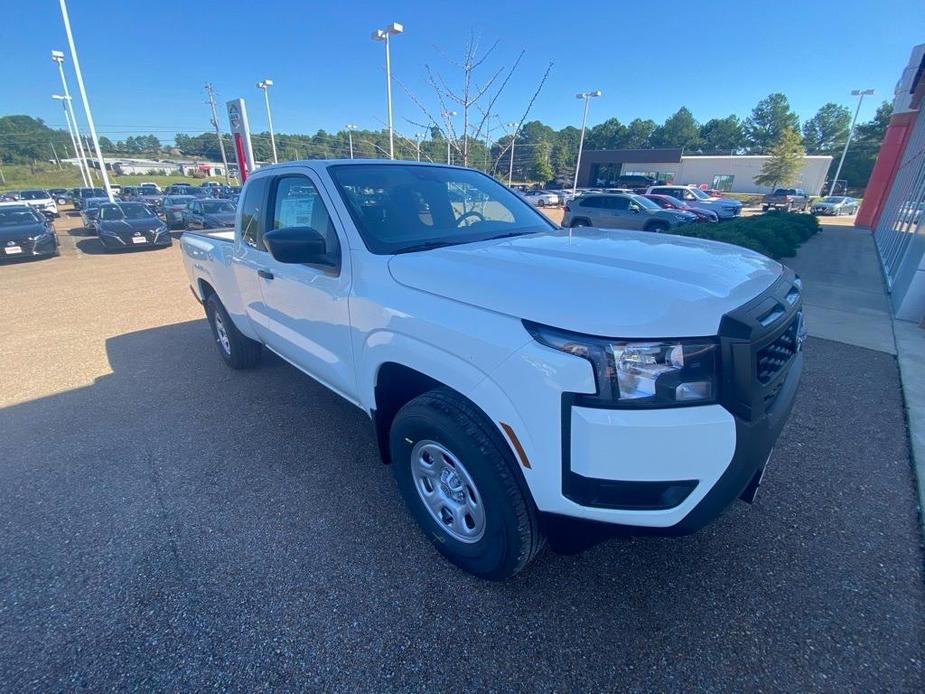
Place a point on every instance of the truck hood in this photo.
(610, 283)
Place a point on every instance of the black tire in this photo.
(511, 536)
(541, 203)
(580, 223)
(240, 352)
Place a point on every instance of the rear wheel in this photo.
(541, 203)
(238, 350)
(580, 223)
(458, 478)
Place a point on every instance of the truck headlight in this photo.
(642, 373)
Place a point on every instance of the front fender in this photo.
(463, 376)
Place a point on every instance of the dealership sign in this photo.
(241, 132)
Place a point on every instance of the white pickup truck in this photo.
(521, 378)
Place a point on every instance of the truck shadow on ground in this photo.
(193, 525)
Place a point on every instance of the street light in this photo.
(67, 119)
(350, 128)
(860, 93)
(447, 115)
(417, 143)
(86, 102)
(581, 141)
(265, 86)
(383, 35)
(510, 170)
(58, 57)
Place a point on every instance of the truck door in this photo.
(306, 305)
(250, 255)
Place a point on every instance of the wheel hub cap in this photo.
(448, 491)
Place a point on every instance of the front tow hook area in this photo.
(751, 490)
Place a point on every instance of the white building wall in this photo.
(697, 170)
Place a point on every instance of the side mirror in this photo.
(297, 245)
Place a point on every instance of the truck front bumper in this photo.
(673, 470)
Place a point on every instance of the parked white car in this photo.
(40, 201)
(510, 367)
(541, 198)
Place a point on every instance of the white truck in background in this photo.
(521, 378)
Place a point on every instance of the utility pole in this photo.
(81, 164)
(350, 128)
(58, 58)
(510, 168)
(581, 141)
(860, 93)
(210, 90)
(86, 101)
(55, 154)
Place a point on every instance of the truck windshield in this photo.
(401, 208)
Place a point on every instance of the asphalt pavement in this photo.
(169, 524)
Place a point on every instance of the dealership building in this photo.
(732, 173)
(894, 201)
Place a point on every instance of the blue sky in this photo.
(145, 63)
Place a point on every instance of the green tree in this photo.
(722, 135)
(678, 130)
(638, 133)
(768, 121)
(541, 170)
(611, 134)
(827, 130)
(783, 168)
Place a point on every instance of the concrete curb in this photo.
(910, 354)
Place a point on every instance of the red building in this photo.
(894, 202)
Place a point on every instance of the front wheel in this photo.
(459, 479)
(238, 350)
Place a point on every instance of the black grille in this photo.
(775, 356)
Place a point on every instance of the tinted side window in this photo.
(592, 201)
(254, 213)
(297, 203)
(619, 203)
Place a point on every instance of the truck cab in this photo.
(519, 377)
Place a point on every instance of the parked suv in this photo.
(787, 199)
(622, 211)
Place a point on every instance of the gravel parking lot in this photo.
(166, 523)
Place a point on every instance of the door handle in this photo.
(265, 274)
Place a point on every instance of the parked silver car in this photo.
(540, 198)
(725, 208)
(622, 211)
(836, 205)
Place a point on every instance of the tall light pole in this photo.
(265, 86)
(446, 116)
(86, 101)
(350, 128)
(417, 143)
(510, 168)
(581, 141)
(383, 35)
(58, 57)
(860, 94)
(67, 119)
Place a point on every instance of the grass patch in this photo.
(775, 234)
(21, 176)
